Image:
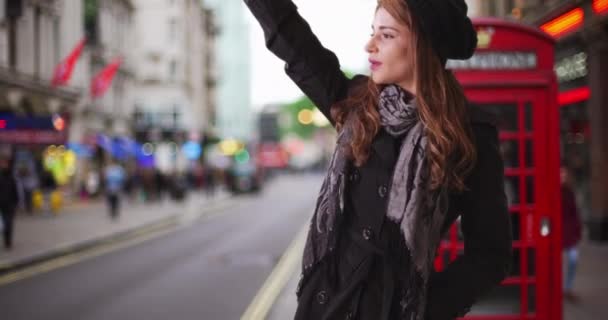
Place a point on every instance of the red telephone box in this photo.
(512, 75)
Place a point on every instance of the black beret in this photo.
(446, 25)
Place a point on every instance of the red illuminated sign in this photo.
(573, 96)
(600, 6)
(565, 23)
(2, 124)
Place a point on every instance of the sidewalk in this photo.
(79, 225)
(591, 284)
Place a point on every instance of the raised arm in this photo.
(312, 67)
(486, 227)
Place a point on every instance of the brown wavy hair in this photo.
(441, 105)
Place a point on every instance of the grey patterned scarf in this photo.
(417, 210)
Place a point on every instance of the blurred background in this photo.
(164, 166)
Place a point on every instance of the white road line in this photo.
(274, 284)
(74, 258)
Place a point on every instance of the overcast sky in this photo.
(343, 26)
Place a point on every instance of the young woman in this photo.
(410, 158)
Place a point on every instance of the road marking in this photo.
(110, 245)
(274, 284)
(73, 258)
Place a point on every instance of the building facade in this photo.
(109, 31)
(233, 112)
(582, 70)
(32, 42)
(35, 35)
(210, 70)
(175, 76)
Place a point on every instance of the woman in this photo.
(410, 158)
(571, 232)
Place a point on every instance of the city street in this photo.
(163, 159)
(209, 269)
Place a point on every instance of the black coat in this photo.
(361, 277)
(8, 192)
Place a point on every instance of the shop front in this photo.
(34, 123)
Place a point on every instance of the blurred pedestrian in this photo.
(48, 185)
(92, 182)
(160, 181)
(130, 186)
(114, 182)
(571, 232)
(27, 182)
(409, 147)
(209, 181)
(8, 201)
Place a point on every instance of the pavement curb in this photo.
(171, 221)
(160, 224)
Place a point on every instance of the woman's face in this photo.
(391, 52)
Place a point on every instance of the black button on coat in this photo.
(361, 279)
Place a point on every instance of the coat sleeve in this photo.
(486, 227)
(312, 67)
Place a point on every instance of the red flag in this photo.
(103, 79)
(64, 69)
